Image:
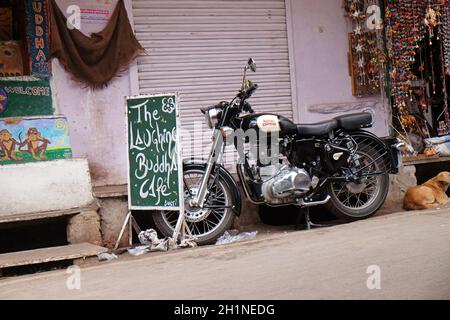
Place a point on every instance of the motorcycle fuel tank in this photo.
(268, 122)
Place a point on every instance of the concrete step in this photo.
(45, 255)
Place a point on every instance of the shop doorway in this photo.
(428, 102)
(14, 55)
(418, 68)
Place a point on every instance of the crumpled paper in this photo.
(231, 236)
(150, 242)
(150, 239)
(187, 243)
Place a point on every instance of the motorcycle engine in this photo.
(283, 183)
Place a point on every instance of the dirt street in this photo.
(407, 253)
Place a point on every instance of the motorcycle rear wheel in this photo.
(206, 224)
(359, 200)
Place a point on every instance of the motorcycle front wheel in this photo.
(206, 224)
(362, 199)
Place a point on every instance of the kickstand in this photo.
(310, 224)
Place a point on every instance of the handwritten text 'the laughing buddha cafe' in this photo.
(156, 157)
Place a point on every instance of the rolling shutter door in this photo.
(198, 48)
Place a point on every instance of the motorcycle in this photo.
(335, 163)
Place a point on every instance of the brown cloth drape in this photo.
(93, 60)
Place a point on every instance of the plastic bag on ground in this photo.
(137, 251)
(231, 236)
(106, 256)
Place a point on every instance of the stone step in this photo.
(45, 255)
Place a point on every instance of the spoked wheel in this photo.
(207, 223)
(361, 199)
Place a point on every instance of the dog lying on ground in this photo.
(428, 195)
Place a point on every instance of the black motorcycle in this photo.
(333, 163)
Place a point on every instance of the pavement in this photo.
(404, 255)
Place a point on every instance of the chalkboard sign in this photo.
(154, 159)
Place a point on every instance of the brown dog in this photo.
(429, 195)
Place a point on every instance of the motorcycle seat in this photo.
(355, 121)
(317, 129)
(347, 122)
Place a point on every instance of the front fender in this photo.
(226, 177)
(392, 158)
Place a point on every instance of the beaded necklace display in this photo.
(368, 57)
(355, 10)
(407, 24)
(404, 30)
(446, 37)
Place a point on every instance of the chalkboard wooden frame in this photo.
(180, 206)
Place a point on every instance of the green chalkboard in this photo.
(28, 97)
(154, 163)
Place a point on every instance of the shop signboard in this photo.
(25, 97)
(36, 12)
(154, 155)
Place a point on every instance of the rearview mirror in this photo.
(252, 64)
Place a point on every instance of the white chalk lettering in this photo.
(156, 160)
(156, 189)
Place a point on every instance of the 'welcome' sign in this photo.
(154, 159)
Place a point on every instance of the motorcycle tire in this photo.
(200, 220)
(350, 201)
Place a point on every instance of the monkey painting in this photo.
(8, 145)
(37, 145)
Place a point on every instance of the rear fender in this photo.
(388, 145)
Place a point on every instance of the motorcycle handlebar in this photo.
(252, 89)
(243, 95)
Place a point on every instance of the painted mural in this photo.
(34, 139)
(3, 100)
(11, 64)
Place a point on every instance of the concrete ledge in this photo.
(113, 191)
(45, 255)
(410, 161)
(34, 187)
(46, 214)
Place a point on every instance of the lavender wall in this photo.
(96, 117)
(319, 46)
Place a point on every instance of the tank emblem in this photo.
(268, 123)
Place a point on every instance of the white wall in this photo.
(96, 117)
(44, 186)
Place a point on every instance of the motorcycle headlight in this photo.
(212, 117)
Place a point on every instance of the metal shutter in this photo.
(198, 48)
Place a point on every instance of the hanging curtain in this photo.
(97, 59)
